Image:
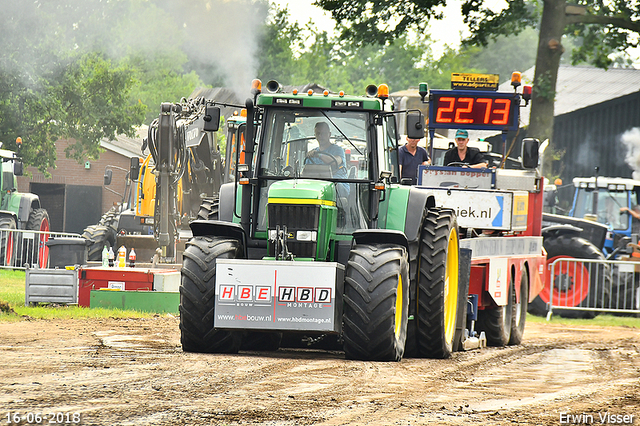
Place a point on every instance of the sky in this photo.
(445, 32)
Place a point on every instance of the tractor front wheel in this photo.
(376, 302)
(197, 296)
(437, 290)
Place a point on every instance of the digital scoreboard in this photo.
(473, 110)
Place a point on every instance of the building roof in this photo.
(582, 86)
(126, 146)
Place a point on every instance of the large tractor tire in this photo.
(38, 254)
(209, 209)
(437, 289)
(100, 236)
(573, 287)
(519, 316)
(496, 321)
(110, 218)
(197, 296)
(376, 302)
(7, 241)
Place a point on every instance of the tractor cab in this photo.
(600, 199)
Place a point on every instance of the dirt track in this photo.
(133, 372)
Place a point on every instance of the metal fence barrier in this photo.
(19, 247)
(594, 285)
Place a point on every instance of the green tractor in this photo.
(20, 211)
(317, 240)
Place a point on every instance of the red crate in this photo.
(116, 278)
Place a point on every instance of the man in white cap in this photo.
(469, 156)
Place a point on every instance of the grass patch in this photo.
(603, 320)
(12, 308)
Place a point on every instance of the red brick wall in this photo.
(69, 172)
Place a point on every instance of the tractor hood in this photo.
(314, 191)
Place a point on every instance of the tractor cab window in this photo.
(607, 206)
(291, 143)
(317, 144)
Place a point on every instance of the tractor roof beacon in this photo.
(319, 243)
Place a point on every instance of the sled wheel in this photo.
(376, 302)
(197, 296)
(519, 316)
(574, 286)
(496, 321)
(437, 290)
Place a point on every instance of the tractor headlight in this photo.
(273, 234)
(307, 235)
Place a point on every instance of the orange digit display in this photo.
(494, 110)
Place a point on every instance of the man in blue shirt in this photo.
(410, 156)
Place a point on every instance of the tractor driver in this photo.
(329, 154)
(472, 157)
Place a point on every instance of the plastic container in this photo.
(67, 252)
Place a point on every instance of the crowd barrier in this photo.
(19, 247)
(594, 285)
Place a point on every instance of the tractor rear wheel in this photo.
(7, 241)
(100, 236)
(519, 316)
(437, 290)
(376, 302)
(39, 252)
(496, 322)
(573, 286)
(197, 296)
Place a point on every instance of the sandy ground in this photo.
(133, 372)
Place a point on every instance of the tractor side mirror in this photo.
(211, 118)
(134, 168)
(18, 168)
(415, 125)
(530, 153)
(108, 174)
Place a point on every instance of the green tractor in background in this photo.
(313, 244)
(20, 211)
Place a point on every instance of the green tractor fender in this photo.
(381, 236)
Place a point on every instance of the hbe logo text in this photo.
(250, 293)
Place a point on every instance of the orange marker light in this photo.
(341, 93)
(295, 91)
(243, 112)
(256, 86)
(19, 140)
(310, 92)
(383, 91)
(516, 78)
(325, 93)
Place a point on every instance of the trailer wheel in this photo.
(497, 321)
(209, 209)
(573, 287)
(197, 296)
(100, 236)
(437, 291)
(7, 241)
(519, 316)
(376, 302)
